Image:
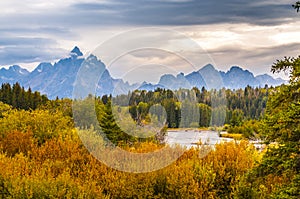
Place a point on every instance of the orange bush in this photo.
(17, 142)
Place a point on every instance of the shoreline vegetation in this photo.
(187, 129)
(233, 136)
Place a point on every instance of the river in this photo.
(190, 138)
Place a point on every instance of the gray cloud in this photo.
(13, 55)
(20, 30)
(258, 61)
(25, 41)
(24, 36)
(149, 12)
(194, 12)
(27, 50)
(29, 44)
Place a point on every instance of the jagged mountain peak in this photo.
(264, 76)
(13, 74)
(168, 75)
(207, 67)
(14, 67)
(233, 68)
(237, 69)
(18, 69)
(76, 52)
(269, 80)
(150, 87)
(237, 77)
(42, 67)
(92, 58)
(211, 77)
(58, 79)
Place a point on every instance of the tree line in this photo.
(198, 108)
(176, 109)
(19, 98)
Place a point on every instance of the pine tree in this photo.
(109, 126)
(283, 127)
(297, 6)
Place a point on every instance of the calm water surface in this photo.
(191, 137)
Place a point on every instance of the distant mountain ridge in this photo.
(210, 78)
(58, 79)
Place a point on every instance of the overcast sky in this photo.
(250, 34)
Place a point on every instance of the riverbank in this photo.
(186, 129)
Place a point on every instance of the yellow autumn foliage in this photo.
(60, 166)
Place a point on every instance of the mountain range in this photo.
(60, 78)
